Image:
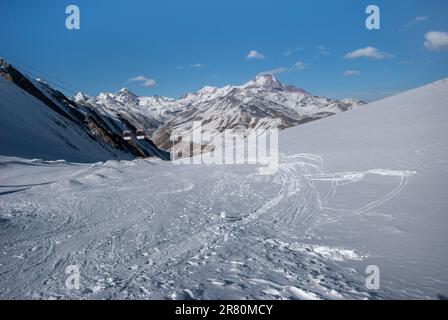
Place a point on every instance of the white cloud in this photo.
(275, 71)
(191, 65)
(299, 65)
(138, 78)
(196, 65)
(254, 54)
(368, 52)
(436, 40)
(321, 50)
(143, 81)
(420, 19)
(415, 21)
(290, 51)
(296, 67)
(351, 73)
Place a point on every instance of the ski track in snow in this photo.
(138, 230)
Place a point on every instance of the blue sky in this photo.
(185, 45)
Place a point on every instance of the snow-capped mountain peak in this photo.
(125, 92)
(126, 96)
(264, 80)
(208, 90)
(81, 96)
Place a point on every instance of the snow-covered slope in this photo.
(261, 103)
(366, 187)
(38, 121)
(384, 167)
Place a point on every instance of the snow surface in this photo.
(366, 187)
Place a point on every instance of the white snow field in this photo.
(365, 187)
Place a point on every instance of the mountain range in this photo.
(89, 128)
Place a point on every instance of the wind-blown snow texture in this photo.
(360, 188)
